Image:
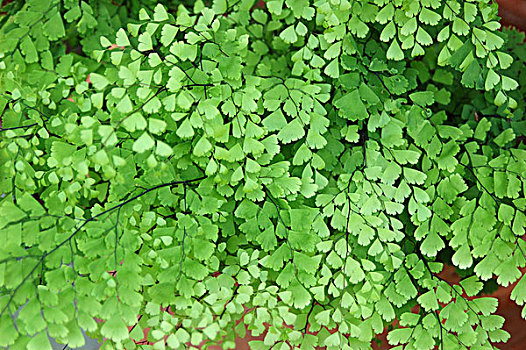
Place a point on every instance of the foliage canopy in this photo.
(307, 163)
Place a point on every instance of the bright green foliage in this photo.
(312, 163)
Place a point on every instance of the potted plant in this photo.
(178, 174)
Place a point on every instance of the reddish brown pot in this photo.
(514, 324)
(513, 13)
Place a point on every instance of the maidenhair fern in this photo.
(306, 167)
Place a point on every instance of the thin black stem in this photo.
(285, 226)
(184, 236)
(307, 319)
(135, 110)
(93, 218)
(19, 127)
(232, 298)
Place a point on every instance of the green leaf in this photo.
(509, 83)
(332, 69)
(414, 176)
(472, 286)
(351, 106)
(428, 301)
(8, 333)
(505, 60)
(289, 35)
(134, 122)
(143, 143)
(462, 257)
(10, 213)
(160, 13)
(443, 34)
(202, 147)
(492, 79)
(423, 37)
(185, 130)
(460, 54)
(104, 41)
(333, 340)
(73, 14)
(385, 309)
(500, 99)
(507, 273)
(39, 342)
(293, 131)
(300, 295)
(368, 94)
(275, 121)
(422, 98)
(485, 305)
(163, 149)
(399, 336)
(506, 213)
(145, 42)
(168, 34)
(54, 27)
(471, 75)
(125, 105)
(29, 50)
(432, 244)
(518, 294)
(385, 14)
(156, 126)
(492, 322)
(323, 317)
(504, 137)
(482, 128)
(388, 32)
(99, 81)
(115, 329)
(395, 52)
(122, 38)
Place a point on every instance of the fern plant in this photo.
(300, 168)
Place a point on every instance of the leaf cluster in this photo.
(195, 168)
